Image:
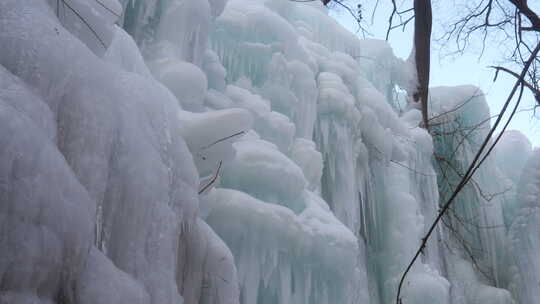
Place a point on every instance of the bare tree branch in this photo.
(533, 88)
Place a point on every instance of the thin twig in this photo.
(85, 23)
(213, 180)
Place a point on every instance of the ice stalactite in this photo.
(140, 18)
(184, 28)
(334, 134)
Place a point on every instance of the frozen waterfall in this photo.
(243, 151)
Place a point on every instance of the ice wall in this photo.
(477, 256)
(241, 151)
(524, 231)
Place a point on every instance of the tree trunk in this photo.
(422, 44)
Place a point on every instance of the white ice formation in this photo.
(242, 151)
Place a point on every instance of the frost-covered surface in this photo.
(241, 151)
